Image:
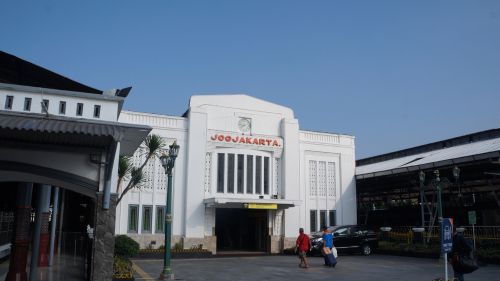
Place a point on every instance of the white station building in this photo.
(246, 178)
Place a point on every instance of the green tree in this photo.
(155, 145)
(124, 167)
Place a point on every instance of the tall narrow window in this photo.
(208, 172)
(332, 218)
(266, 175)
(322, 218)
(312, 221)
(258, 173)
(62, 107)
(240, 178)
(79, 109)
(322, 178)
(220, 172)
(331, 179)
(312, 178)
(45, 106)
(160, 219)
(230, 173)
(97, 111)
(132, 218)
(8, 102)
(27, 104)
(146, 219)
(249, 174)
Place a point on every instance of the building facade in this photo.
(247, 178)
(51, 140)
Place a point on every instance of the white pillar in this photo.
(195, 208)
(291, 175)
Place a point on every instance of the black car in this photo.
(347, 239)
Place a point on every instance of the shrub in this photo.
(178, 246)
(162, 247)
(489, 253)
(125, 246)
(121, 267)
(418, 248)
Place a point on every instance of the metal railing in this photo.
(6, 227)
(489, 235)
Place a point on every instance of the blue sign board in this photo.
(447, 236)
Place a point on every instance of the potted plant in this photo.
(122, 267)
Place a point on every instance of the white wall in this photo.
(338, 150)
(154, 193)
(195, 208)
(218, 115)
(109, 107)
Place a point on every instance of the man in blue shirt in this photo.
(327, 241)
(327, 238)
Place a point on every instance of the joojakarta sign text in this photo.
(246, 140)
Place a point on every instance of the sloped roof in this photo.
(14, 70)
(447, 156)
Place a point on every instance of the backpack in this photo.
(464, 263)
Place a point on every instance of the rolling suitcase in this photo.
(330, 260)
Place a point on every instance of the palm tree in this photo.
(155, 145)
(124, 166)
(139, 177)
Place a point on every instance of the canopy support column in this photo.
(19, 252)
(43, 257)
(61, 220)
(43, 195)
(53, 225)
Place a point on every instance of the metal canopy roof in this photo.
(37, 128)
(433, 159)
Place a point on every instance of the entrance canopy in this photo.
(38, 128)
(239, 203)
(62, 151)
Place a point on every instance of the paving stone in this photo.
(284, 267)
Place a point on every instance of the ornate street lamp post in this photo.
(168, 164)
(436, 183)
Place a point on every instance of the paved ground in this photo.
(282, 267)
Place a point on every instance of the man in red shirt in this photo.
(303, 244)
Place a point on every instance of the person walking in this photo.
(303, 244)
(327, 244)
(460, 246)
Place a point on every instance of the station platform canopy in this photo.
(433, 159)
(388, 186)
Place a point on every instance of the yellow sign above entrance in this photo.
(260, 206)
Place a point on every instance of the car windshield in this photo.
(331, 229)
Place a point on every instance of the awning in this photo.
(443, 157)
(38, 128)
(238, 203)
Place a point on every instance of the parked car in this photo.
(347, 239)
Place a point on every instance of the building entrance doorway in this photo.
(241, 230)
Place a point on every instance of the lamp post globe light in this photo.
(168, 164)
(436, 183)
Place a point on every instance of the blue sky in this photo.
(395, 74)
